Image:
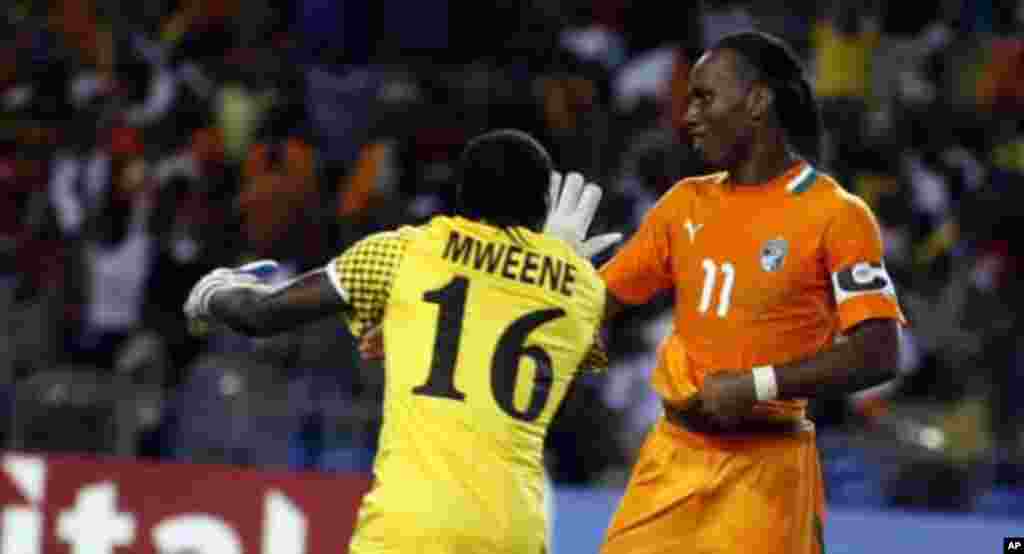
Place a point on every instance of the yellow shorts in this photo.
(708, 495)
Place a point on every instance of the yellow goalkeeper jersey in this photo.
(484, 329)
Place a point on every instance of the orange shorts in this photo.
(702, 495)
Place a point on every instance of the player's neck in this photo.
(767, 160)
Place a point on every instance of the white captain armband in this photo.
(860, 279)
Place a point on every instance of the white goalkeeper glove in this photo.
(571, 208)
(250, 275)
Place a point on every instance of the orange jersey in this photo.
(762, 275)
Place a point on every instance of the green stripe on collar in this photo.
(803, 180)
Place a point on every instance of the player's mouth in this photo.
(697, 138)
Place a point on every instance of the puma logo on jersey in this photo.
(692, 229)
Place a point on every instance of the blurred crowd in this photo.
(143, 144)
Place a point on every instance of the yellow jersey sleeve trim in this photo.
(334, 276)
(364, 275)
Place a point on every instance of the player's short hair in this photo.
(504, 179)
(770, 60)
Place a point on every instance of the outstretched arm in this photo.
(357, 284)
(264, 311)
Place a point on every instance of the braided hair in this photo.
(771, 61)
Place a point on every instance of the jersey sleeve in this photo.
(854, 253)
(642, 267)
(363, 276)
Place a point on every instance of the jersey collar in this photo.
(795, 180)
(802, 180)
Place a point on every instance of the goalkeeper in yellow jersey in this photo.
(488, 316)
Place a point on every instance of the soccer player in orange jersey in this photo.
(770, 262)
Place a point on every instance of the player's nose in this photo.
(692, 120)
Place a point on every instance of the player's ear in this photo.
(759, 101)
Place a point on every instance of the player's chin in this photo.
(711, 158)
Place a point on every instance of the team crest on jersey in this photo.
(773, 253)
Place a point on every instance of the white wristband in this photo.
(765, 385)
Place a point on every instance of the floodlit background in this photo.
(144, 143)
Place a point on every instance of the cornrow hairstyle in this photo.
(774, 63)
(504, 178)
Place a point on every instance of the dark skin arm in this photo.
(870, 356)
(261, 313)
